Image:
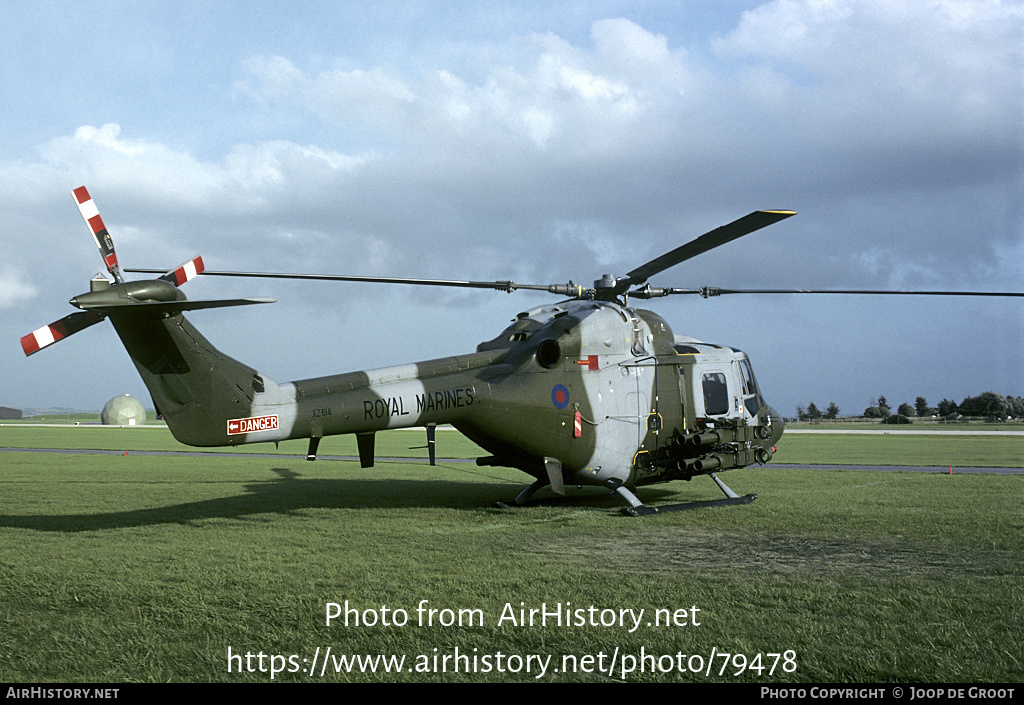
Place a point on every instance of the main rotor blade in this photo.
(509, 286)
(876, 292)
(649, 292)
(708, 241)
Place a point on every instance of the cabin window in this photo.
(716, 393)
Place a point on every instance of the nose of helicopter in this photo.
(773, 420)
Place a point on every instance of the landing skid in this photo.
(637, 508)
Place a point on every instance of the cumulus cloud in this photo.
(14, 289)
(943, 68)
(551, 96)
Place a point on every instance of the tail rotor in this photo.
(58, 330)
(189, 270)
(159, 296)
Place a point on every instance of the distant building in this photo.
(8, 414)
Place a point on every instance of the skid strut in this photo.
(637, 509)
(520, 500)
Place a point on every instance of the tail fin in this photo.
(194, 386)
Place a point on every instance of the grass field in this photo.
(150, 568)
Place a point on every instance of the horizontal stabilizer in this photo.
(171, 306)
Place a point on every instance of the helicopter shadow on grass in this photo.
(289, 493)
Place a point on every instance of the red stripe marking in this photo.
(81, 195)
(181, 273)
(29, 344)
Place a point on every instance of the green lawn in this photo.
(150, 568)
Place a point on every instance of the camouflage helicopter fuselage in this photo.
(588, 391)
(577, 393)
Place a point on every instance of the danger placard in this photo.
(252, 425)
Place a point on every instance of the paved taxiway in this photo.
(776, 466)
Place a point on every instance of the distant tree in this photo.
(800, 412)
(905, 410)
(812, 412)
(947, 407)
(987, 404)
(1015, 407)
(833, 411)
(874, 412)
(921, 406)
(883, 406)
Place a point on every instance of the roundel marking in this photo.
(560, 396)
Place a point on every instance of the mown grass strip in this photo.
(130, 568)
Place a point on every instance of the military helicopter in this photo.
(584, 391)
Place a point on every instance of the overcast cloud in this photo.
(536, 142)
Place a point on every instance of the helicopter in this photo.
(585, 391)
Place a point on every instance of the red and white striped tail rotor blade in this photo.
(58, 330)
(189, 270)
(91, 214)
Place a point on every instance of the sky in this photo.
(535, 141)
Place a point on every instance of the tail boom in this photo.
(210, 399)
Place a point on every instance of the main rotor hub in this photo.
(607, 281)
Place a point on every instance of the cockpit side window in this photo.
(716, 393)
(749, 385)
(751, 397)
